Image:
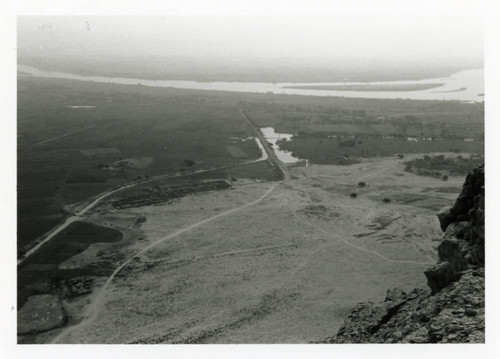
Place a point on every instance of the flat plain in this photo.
(208, 244)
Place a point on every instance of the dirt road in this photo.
(81, 213)
(61, 136)
(93, 310)
(270, 152)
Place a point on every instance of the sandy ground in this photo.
(285, 267)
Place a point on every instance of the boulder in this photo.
(455, 314)
(440, 276)
(445, 217)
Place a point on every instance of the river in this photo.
(466, 86)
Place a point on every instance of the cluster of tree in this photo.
(441, 166)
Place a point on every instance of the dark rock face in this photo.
(452, 311)
(453, 315)
(463, 241)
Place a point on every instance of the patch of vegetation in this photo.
(321, 149)
(40, 273)
(442, 167)
(344, 130)
(148, 196)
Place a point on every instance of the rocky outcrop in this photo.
(473, 186)
(452, 309)
(462, 246)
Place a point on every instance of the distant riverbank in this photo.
(470, 83)
(370, 87)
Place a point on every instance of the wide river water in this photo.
(463, 86)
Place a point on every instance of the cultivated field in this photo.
(343, 130)
(67, 155)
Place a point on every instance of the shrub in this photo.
(361, 184)
(347, 143)
(386, 200)
(354, 195)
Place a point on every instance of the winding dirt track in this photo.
(266, 153)
(363, 249)
(93, 310)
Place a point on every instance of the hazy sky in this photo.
(380, 35)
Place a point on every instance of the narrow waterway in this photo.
(273, 138)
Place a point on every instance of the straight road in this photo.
(61, 136)
(269, 150)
